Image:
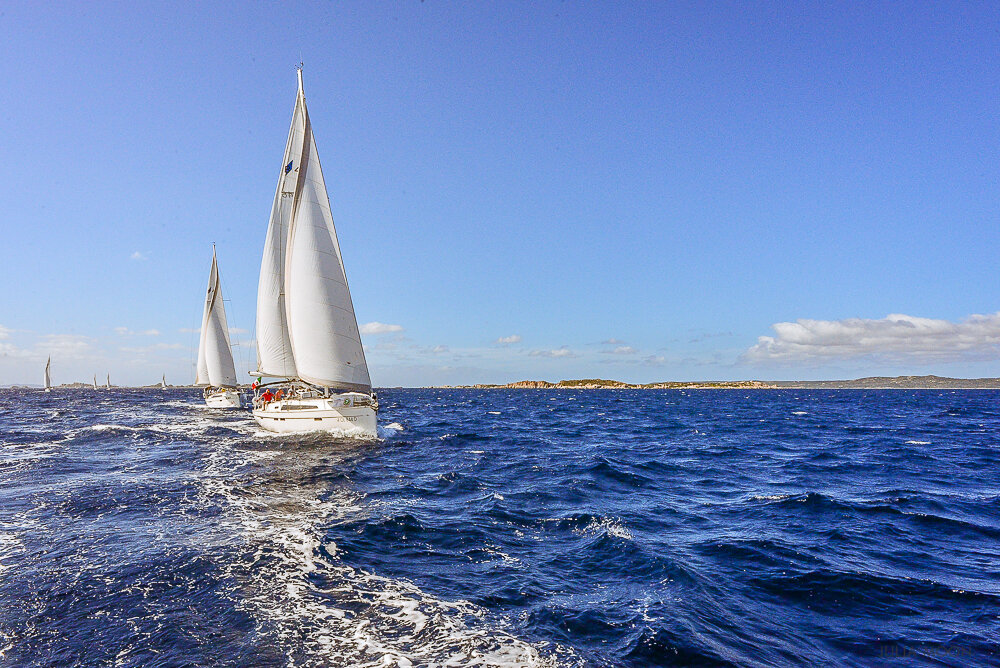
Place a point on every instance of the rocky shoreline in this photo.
(870, 383)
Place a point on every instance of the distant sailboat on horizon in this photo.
(95, 381)
(48, 376)
(307, 332)
(163, 382)
(216, 370)
(108, 385)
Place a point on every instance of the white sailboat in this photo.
(95, 381)
(48, 376)
(163, 382)
(307, 333)
(216, 370)
(107, 385)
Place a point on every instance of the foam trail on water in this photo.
(321, 611)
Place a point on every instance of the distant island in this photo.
(870, 383)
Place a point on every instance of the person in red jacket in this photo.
(267, 396)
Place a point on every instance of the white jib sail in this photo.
(215, 357)
(48, 377)
(274, 350)
(95, 381)
(322, 327)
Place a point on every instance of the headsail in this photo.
(48, 377)
(215, 357)
(163, 382)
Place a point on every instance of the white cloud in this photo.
(896, 336)
(621, 350)
(4, 332)
(379, 328)
(189, 330)
(612, 342)
(125, 331)
(153, 348)
(507, 340)
(557, 352)
(137, 256)
(654, 360)
(65, 345)
(439, 349)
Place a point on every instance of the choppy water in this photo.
(504, 528)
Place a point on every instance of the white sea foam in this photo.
(612, 526)
(918, 442)
(799, 413)
(771, 497)
(389, 430)
(323, 612)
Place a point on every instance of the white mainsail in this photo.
(108, 384)
(215, 356)
(312, 332)
(48, 377)
(274, 350)
(163, 382)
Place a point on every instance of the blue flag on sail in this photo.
(288, 167)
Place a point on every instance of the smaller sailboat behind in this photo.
(48, 376)
(95, 381)
(216, 370)
(107, 386)
(163, 382)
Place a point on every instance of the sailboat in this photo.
(48, 376)
(107, 386)
(163, 382)
(95, 381)
(216, 371)
(307, 333)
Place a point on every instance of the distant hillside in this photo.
(871, 383)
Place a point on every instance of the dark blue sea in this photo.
(504, 528)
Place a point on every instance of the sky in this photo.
(640, 191)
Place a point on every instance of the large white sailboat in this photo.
(307, 333)
(48, 375)
(216, 370)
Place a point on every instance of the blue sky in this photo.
(552, 190)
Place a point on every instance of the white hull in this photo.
(225, 399)
(319, 414)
